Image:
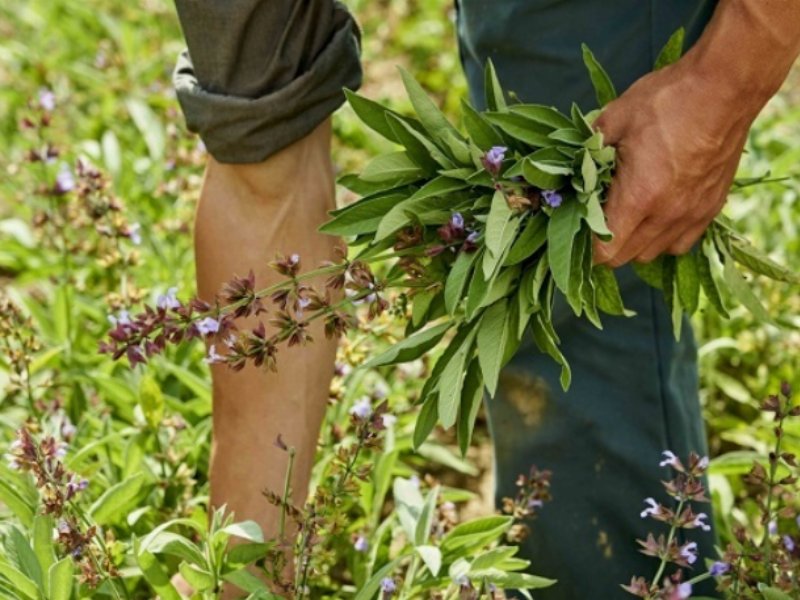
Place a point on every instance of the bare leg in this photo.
(247, 214)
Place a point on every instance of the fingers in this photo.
(611, 124)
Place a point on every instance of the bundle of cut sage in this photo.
(489, 224)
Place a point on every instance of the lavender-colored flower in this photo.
(362, 409)
(700, 521)
(535, 503)
(212, 357)
(689, 552)
(652, 509)
(76, 485)
(702, 465)
(169, 300)
(788, 543)
(684, 590)
(67, 428)
(134, 233)
(473, 237)
(493, 159)
(457, 221)
(207, 326)
(342, 369)
(719, 568)
(47, 99)
(552, 198)
(122, 318)
(361, 544)
(302, 304)
(414, 480)
(463, 581)
(670, 460)
(388, 586)
(65, 180)
(772, 527)
(388, 420)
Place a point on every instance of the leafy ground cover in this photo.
(97, 184)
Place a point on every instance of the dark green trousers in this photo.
(635, 389)
(260, 74)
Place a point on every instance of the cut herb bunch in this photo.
(491, 223)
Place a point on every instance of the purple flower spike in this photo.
(689, 552)
(493, 159)
(719, 568)
(388, 587)
(207, 326)
(361, 544)
(552, 198)
(362, 409)
(788, 543)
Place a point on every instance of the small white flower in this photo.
(122, 318)
(669, 459)
(47, 99)
(212, 357)
(207, 326)
(361, 544)
(652, 509)
(134, 233)
(169, 300)
(388, 420)
(700, 521)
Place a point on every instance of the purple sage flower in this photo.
(652, 509)
(388, 420)
(362, 409)
(552, 198)
(361, 544)
(388, 586)
(772, 527)
(134, 233)
(457, 221)
(700, 521)
(65, 180)
(670, 460)
(684, 590)
(212, 357)
(788, 543)
(689, 552)
(493, 159)
(207, 326)
(47, 99)
(719, 568)
(169, 300)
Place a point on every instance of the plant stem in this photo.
(673, 529)
(773, 470)
(286, 491)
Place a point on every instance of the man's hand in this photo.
(680, 131)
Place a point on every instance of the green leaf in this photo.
(12, 499)
(603, 87)
(772, 593)
(651, 273)
(22, 584)
(576, 275)
(478, 128)
(156, 575)
(475, 533)
(493, 335)
(200, 579)
(478, 288)
(20, 552)
(499, 217)
(546, 342)
(609, 299)
(242, 555)
(471, 397)
(151, 400)
(248, 582)
(536, 175)
(431, 117)
(423, 529)
(439, 186)
(570, 136)
(363, 216)
(372, 114)
(421, 305)
(561, 230)
(426, 420)
(405, 212)
(432, 557)
(588, 172)
(672, 51)
(546, 115)
(452, 379)
(246, 530)
(491, 261)
(705, 273)
(116, 501)
(457, 280)
(419, 148)
(688, 282)
(149, 125)
(531, 239)
(173, 544)
(60, 579)
(758, 262)
(741, 289)
(371, 587)
(596, 218)
(392, 166)
(501, 285)
(494, 93)
(520, 128)
(410, 348)
(43, 543)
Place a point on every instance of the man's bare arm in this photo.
(680, 131)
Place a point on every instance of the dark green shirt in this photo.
(535, 44)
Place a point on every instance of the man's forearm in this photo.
(748, 49)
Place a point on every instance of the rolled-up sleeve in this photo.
(261, 74)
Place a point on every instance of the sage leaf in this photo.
(499, 217)
(536, 175)
(588, 172)
(561, 230)
(688, 282)
(411, 347)
(471, 398)
(452, 380)
(426, 420)
(418, 147)
(457, 280)
(546, 115)
(363, 216)
(493, 336)
(609, 299)
(741, 289)
(491, 85)
(478, 128)
(758, 262)
(531, 239)
(603, 87)
(394, 167)
(372, 114)
(431, 117)
(547, 344)
(672, 51)
(521, 129)
(705, 272)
